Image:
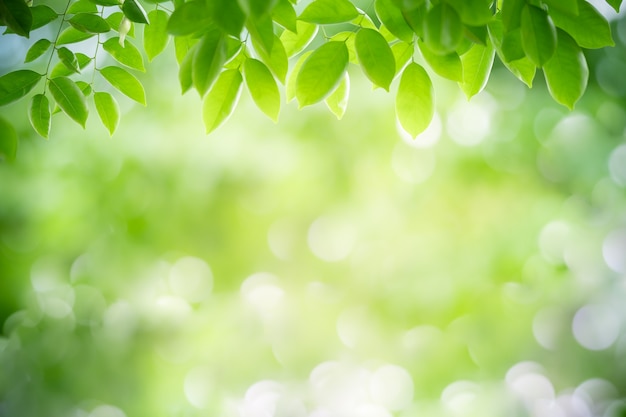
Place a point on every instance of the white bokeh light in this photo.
(339, 387)
(392, 387)
(331, 238)
(191, 278)
(106, 410)
(459, 396)
(553, 239)
(413, 165)
(614, 250)
(527, 382)
(617, 165)
(263, 292)
(199, 386)
(596, 326)
(469, 123)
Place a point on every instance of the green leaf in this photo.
(443, 29)
(208, 60)
(337, 101)
(295, 43)
(38, 49)
(476, 34)
(134, 11)
(521, 66)
(17, 16)
(538, 35)
(237, 59)
(107, 2)
(108, 110)
(127, 55)
(285, 15)
(91, 23)
(523, 69)
(415, 100)
(276, 60)
(324, 12)
(511, 14)
(262, 87)
(61, 70)
(42, 15)
(615, 4)
(589, 29)
(39, 115)
(477, 63)
(182, 46)
(262, 31)
(348, 38)
(82, 6)
(321, 73)
(115, 19)
(16, 85)
(155, 35)
(473, 12)
(227, 15)
(84, 87)
(363, 21)
(8, 141)
(185, 73)
(512, 48)
(566, 72)
(565, 6)
(257, 8)
(415, 18)
(221, 100)
(83, 60)
(125, 82)
(402, 53)
(391, 16)
(448, 65)
(375, 57)
(72, 35)
(290, 88)
(409, 4)
(68, 59)
(69, 98)
(192, 17)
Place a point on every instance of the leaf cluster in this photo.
(277, 48)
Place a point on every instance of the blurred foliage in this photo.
(165, 273)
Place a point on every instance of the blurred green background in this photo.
(319, 267)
